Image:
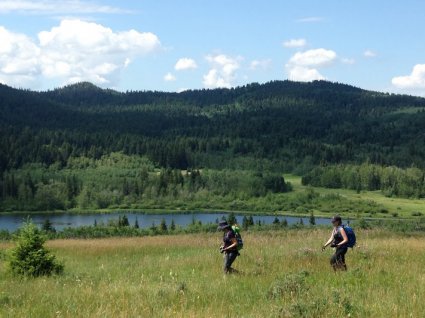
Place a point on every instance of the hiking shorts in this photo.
(229, 258)
(339, 257)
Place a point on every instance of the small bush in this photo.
(29, 257)
(290, 285)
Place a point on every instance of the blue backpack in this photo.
(350, 235)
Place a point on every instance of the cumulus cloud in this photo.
(73, 51)
(369, 53)
(185, 64)
(303, 66)
(304, 74)
(19, 59)
(222, 72)
(295, 43)
(260, 64)
(316, 57)
(46, 7)
(414, 81)
(169, 77)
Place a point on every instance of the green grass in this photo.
(404, 208)
(282, 274)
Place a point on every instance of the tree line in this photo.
(118, 179)
(391, 180)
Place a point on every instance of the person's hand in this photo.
(221, 249)
(323, 247)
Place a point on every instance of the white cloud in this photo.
(304, 74)
(222, 72)
(185, 64)
(294, 43)
(310, 19)
(46, 7)
(303, 66)
(19, 59)
(316, 57)
(369, 53)
(169, 77)
(71, 52)
(414, 81)
(260, 64)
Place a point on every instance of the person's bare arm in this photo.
(231, 246)
(329, 241)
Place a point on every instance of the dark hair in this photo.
(337, 219)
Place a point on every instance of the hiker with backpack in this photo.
(341, 239)
(229, 247)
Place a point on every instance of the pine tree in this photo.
(312, 219)
(163, 225)
(245, 223)
(231, 219)
(48, 226)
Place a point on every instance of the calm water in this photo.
(61, 220)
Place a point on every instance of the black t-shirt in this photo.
(338, 236)
(228, 239)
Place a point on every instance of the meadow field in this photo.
(282, 273)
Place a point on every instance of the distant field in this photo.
(282, 274)
(390, 206)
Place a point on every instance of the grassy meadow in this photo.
(282, 274)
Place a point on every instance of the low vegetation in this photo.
(283, 273)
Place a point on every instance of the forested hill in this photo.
(280, 125)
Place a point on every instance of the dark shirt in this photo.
(338, 236)
(228, 239)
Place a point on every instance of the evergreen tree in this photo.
(163, 225)
(172, 225)
(245, 223)
(136, 224)
(48, 226)
(312, 219)
(231, 219)
(29, 257)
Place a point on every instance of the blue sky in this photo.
(172, 45)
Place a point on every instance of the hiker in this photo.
(339, 240)
(229, 247)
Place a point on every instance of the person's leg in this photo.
(229, 258)
(334, 261)
(340, 258)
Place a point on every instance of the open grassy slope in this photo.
(282, 274)
(388, 206)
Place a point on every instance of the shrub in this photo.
(29, 257)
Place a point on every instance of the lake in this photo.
(11, 222)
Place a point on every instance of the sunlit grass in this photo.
(401, 206)
(282, 273)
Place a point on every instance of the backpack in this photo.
(236, 231)
(350, 235)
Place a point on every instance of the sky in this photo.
(172, 45)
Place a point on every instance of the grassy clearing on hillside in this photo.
(388, 207)
(283, 274)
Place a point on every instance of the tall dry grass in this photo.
(282, 274)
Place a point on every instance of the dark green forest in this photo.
(87, 147)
